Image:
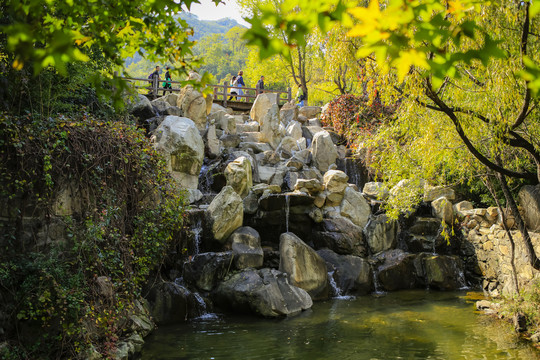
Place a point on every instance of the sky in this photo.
(207, 10)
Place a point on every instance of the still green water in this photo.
(399, 325)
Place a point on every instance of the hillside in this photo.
(201, 29)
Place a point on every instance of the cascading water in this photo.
(202, 308)
(376, 283)
(336, 290)
(197, 233)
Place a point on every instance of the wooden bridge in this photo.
(222, 93)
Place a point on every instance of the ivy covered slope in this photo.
(104, 213)
(88, 210)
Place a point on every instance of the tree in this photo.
(473, 65)
(298, 58)
(39, 35)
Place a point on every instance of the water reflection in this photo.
(400, 325)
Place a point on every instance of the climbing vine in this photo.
(73, 282)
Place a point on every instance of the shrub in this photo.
(129, 213)
(355, 116)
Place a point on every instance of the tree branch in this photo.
(524, 37)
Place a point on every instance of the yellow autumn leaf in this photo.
(18, 65)
(407, 59)
(369, 19)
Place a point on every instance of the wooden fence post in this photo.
(225, 94)
(289, 96)
(155, 85)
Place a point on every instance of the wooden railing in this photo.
(221, 92)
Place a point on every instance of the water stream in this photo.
(415, 324)
(287, 208)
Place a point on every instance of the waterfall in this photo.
(336, 291)
(197, 232)
(376, 283)
(287, 207)
(205, 179)
(202, 309)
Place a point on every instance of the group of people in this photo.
(237, 83)
(168, 79)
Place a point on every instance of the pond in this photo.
(416, 324)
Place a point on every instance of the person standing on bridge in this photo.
(240, 83)
(259, 88)
(167, 84)
(233, 84)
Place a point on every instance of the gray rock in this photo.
(225, 213)
(305, 268)
(310, 111)
(355, 207)
(142, 108)
(444, 272)
(178, 139)
(265, 292)
(341, 236)
(529, 199)
(170, 303)
(434, 192)
(381, 233)
(352, 274)
(262, 104)
(230, 140)
(442, 209)
(288, 113)
(246, 246)
(323, 151)
(397, 270)
(193, 105)
(206, 270)
(239, 176)
(376, 190)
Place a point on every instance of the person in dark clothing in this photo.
(167, 84)
(260, 86)
(153, 75)
(233, 84)
(240, 83)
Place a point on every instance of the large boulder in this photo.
(310, 111)
(351, 274)
(323, 151)
(529, 199)
(213, 144)
(294, 130)
(288, 113)
(444, 272)
(266, 292)
(193, 105)
(262, 105)
(270, 127)
(355, 207)
(171, 303)
(376, 190)
(246, 246)
(141, 108)
(397, 270)
(225, 213)
(335, 181)
(162, 107)
(178, 139)
(434, 192)
(340, 235)
(206, 270)
(381, 233)
(239, 176)
(305, 268)
(461, 207)
(442, 209)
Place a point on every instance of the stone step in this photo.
(253, 137)
(251, 126)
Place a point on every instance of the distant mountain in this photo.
(203, 28)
